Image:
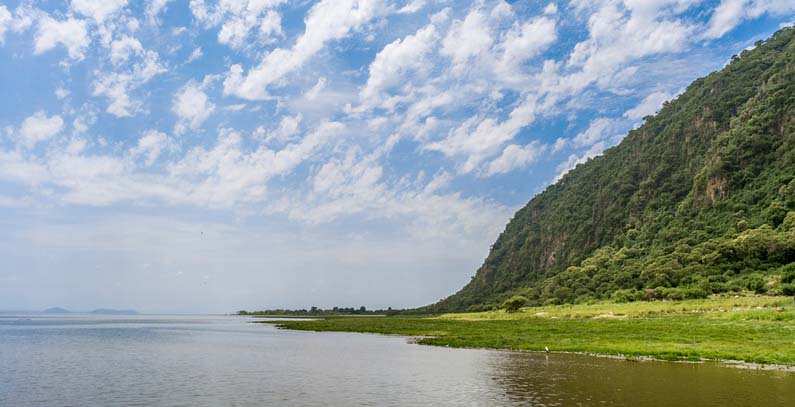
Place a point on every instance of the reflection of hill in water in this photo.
(562, 379)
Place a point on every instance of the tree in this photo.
(514, 303)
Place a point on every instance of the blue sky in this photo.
(176, 156)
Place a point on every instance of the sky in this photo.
(198, 156)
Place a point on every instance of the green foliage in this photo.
(698, 200)
(753, 329)
(514, 303)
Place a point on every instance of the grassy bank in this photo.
(750, 329)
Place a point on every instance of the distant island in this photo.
(98, 311)
(56, 310)
(105, 311)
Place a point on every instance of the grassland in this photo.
(751, 329)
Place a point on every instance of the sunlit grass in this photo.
(751, 329)
(633, 309)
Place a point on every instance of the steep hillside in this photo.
(698, 200)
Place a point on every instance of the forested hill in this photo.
(700, 199)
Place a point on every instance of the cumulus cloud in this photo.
(5, 22)
(397, 61)
(731, 13)
(99, 10)
(467, 38)
(117, 86)
(240, 20)
(70, 33)
(326, 21)
(598, 130)
(573, 160)
(39, 127)
(151, 145)
(192, 107)
(154, 8)
(648, 106)
(514, 157)
(124, 47)
(525, 41)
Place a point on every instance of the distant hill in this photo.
(104, 311)
(698, 200)
(56, 310)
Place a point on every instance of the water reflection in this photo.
(226, 361)
(574, 380)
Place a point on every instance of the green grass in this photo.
(750, 329)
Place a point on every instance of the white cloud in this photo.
(288, 127)
(71, 33)
(575, 160)
(525, 41)
(412, 7)
(598, 130)
(5, 22)
(61, 93)
(618, 36)
(467, 38)
(239, 19)
(151, 145)
(234, 108)
(99, 10)
(39, 127)
(730, 13)
(326, 21)
(515, 157)
(313, 93)
(154, 8)
(192, 106)
(122, 48)
(117, 86)
(397, 61)
(725, 17)
(648, 106)
(196, 54)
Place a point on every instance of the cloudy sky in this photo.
(197, 156)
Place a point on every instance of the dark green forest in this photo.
(699, 200)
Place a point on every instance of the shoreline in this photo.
(728, 363)
(753, 333)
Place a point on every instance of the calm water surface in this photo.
(226, 361)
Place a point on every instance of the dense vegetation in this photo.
(750, 329)
(315, 311)
(698, 200)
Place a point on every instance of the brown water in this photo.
(226, 361)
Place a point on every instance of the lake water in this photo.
(226, 361)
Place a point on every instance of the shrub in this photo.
(756, 283)
(787, 273)
(692, 293)
(675, 294)
(514, 303)
(628, 295)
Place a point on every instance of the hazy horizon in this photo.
(193, 157)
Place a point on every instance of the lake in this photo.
(79, 360)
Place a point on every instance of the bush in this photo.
(628, 295)
(787, 273)
(692, 293)
(756, 283)
(675, 294)
(514, 303)
(789, 222)
(788, 289)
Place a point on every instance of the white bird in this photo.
(546, 349)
